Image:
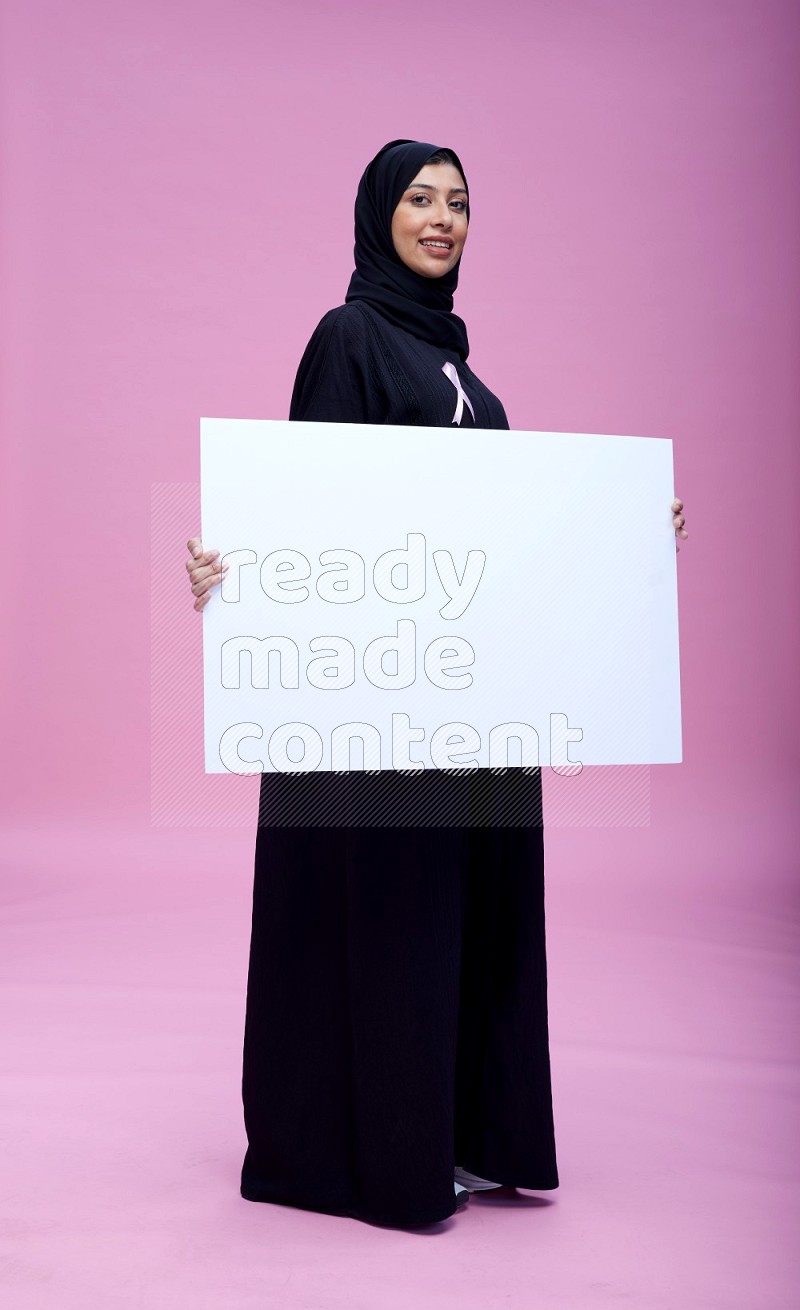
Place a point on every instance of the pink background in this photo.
(177, 215)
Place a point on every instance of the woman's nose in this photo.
(444, 218)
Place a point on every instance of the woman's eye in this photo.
(460, 205)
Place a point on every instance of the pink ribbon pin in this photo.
(449, 371)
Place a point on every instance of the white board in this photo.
(543, 561)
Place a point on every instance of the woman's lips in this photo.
(439, 252)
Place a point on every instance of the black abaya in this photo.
(396, 1018)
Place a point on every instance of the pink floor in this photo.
(672, 1003)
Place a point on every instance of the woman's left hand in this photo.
(678, 520)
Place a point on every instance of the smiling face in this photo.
(429, 226)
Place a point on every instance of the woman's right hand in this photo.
(204, 571)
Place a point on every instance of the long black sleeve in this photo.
(337, 381)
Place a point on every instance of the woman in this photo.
(396, 1038)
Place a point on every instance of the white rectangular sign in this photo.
(401, 597)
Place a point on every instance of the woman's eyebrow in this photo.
(426, 186)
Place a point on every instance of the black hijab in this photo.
(421, 305)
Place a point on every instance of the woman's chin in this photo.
(433, 270)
